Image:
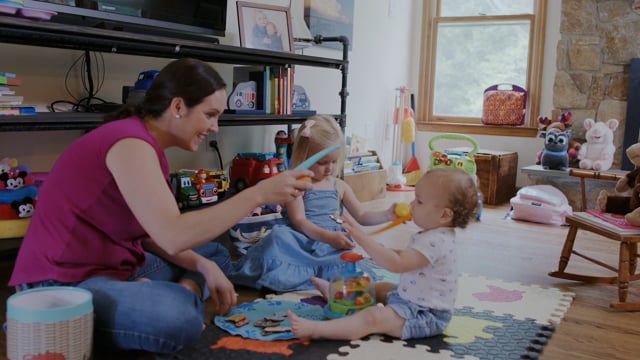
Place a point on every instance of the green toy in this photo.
(350, 290)
(446, 158)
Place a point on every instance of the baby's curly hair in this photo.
(463, 194)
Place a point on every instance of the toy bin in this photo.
(50, 323)
(370, 184)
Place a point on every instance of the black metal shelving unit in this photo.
(49, 34)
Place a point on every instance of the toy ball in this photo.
(350, 290)
(403, 210)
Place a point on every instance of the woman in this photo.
(108, 199)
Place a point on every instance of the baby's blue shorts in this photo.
(420, 321)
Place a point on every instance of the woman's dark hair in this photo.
(187, 78)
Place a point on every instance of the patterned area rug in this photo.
(493, 320)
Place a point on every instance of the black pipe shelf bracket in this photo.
(47, 34)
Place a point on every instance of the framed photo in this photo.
(333, 18)
(265, 27)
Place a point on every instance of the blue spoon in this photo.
(316, 157)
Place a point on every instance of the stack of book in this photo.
(10, 103)
(274, 93)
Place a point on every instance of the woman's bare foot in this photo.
(301, 327)
(322, 286)
(191, 286)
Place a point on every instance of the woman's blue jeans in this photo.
(159, 316)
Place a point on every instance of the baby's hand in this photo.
(391, 212)
(352, 227)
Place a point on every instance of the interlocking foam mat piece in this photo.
(493, 320)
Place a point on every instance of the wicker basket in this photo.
(50, 323)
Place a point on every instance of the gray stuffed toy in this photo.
(556, 144)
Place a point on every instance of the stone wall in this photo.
(598, 40)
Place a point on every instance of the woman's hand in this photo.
(223, 294)
(284, 187)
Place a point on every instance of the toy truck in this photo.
(195, 188)
(222, 180)
(186, 195)
(248, 168)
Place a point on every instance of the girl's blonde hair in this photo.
(319, 131)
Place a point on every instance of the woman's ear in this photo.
(177, 107)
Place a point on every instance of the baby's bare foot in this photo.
(322, 286)
(301, 327)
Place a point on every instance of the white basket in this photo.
(50, 322)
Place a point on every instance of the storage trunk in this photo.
(497, 172)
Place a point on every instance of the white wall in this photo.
(385, 56)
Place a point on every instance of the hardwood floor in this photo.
(524, 252)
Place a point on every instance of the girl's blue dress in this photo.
(285, 259)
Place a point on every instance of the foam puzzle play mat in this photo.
(493, 320)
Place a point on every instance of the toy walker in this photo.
(463, 160)
(456, 159)
(350, 290)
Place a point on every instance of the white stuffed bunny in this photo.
(597, 152)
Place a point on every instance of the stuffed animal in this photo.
(561, 124)
(597, 152)
(627, 205)
(554, 155)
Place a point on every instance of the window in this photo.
(469, 45)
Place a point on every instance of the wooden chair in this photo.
(628, 246)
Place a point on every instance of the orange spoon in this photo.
(403, 211)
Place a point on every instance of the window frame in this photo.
(426, 121)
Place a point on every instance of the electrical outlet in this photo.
(212, 139)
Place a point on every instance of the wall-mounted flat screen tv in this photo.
(182, 18)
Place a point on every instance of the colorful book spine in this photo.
(10, 81)
(11, 99)
(7, 74)
(17, 110)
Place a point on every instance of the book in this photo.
(614, 222)
(7, 74)
(17, 110)
(10, 81)
(11, 99)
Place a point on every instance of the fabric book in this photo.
(614, 221)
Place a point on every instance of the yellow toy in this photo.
(403, 212)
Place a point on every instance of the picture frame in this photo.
(330, 20)
(266, 27)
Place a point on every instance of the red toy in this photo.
(247, 169)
